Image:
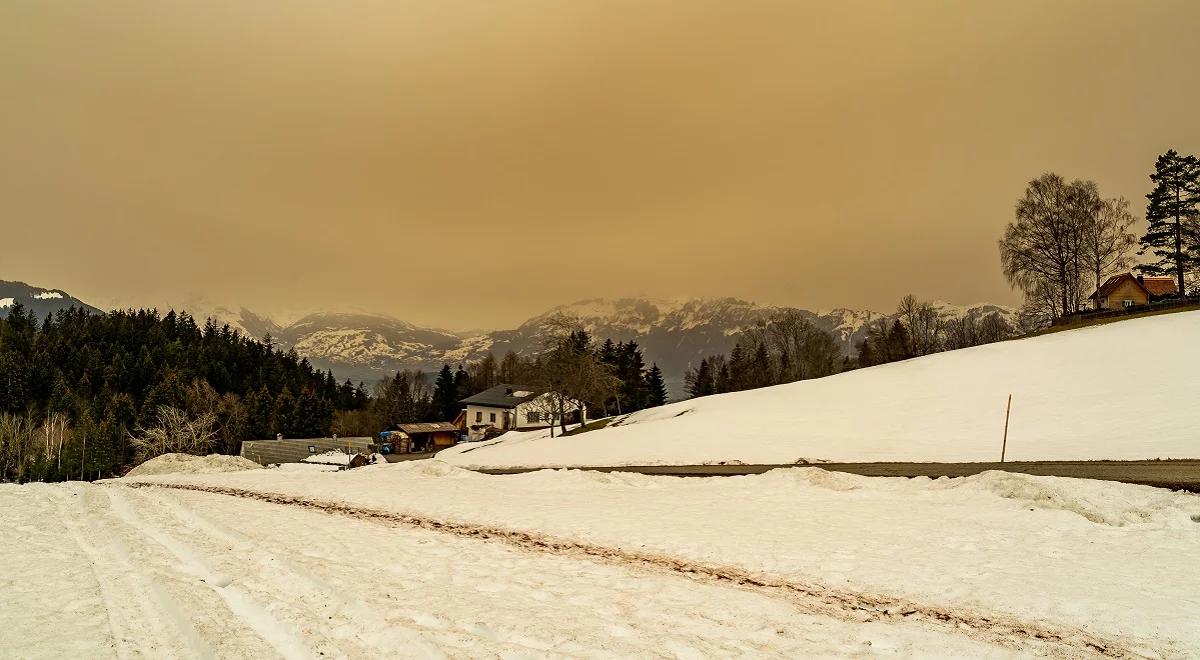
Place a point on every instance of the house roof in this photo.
(1160, 286)
(1153, 286)
(503, 395)
(427, 427)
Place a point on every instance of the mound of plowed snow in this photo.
(189, 464)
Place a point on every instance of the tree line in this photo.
(84, 395)
(783, 349)
(1066, 238)
(788, 347)
(918, 328)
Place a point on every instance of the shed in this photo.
(429, 436)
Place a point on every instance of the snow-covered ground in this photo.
(424, 559)
(1125, 390)
(1018, 551)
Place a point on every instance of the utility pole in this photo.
(1004, 446)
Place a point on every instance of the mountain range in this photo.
(674, 333)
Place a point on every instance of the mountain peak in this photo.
(42, 302)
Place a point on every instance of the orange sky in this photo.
(467, 164)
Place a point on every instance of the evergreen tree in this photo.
(1173, 234)
(656, 387)
(631, 371)
(445, 394)
(463, 388)
(702, 380)
(283, 414)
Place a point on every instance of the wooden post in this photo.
(1004, 446)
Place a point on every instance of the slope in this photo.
(1120, 391)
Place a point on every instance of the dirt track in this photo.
(1176, 475)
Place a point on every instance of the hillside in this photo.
(43, 302)
(1093, 393)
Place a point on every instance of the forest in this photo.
(83, 395)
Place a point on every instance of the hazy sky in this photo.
(467, 164)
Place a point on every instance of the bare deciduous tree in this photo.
(174, 432)
(924, 323)
(570, 371)
(1108, 242)
(1042, 251)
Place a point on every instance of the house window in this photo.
(533, 417)
(478, 416)
(1127, 303)
(492, 417)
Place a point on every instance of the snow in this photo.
(48, 295)
(123, 572)
(1034, 550)
(331, 457)
(7, 302)
(1072, 393)
(188, 464)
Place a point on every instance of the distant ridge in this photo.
(43, 302)
(675, 333)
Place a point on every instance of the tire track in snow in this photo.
(122, 583)
(270, 574)
(286, 641)
(810, 597)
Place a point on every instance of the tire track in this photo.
(121, 582)
(280, 636)
(810, 597)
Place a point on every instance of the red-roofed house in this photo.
(1126, 290)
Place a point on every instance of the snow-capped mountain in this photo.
(675, 333)
(368, 345)
(43, 302)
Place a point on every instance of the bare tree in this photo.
(570, 371)
(17, 446)
(1042, 251)
(174, 432)
(1108, 242)
(924, 323)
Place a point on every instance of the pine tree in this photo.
(760, 369)
(631, 370)
(445, 394)
(283, 414)
(701, 380)
(656, 387)
(1173, 234)
(463, 388)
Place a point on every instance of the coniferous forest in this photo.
(83, 395)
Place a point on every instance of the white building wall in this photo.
(541, 405)
(512, 419)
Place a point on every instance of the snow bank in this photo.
(1091, 393)
(331, 457)
(189, 464)
(1096, 501)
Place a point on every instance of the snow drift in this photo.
(189, 464)
(1122, 391)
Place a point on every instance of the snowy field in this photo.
(422, 559)
(1126, 390)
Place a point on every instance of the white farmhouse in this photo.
(517, 408)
